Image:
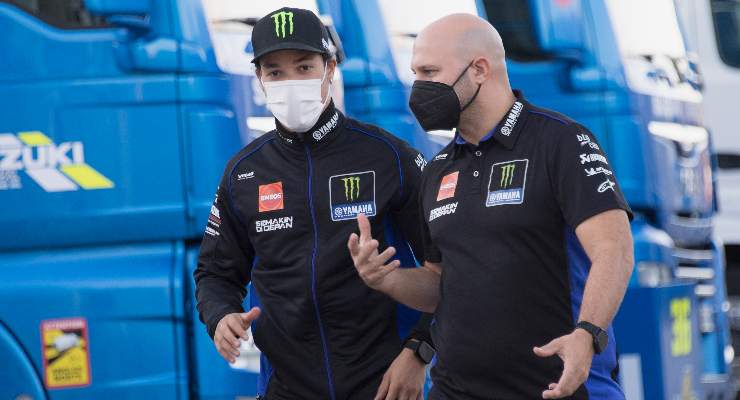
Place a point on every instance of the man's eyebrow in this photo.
(302, 58)
(270, 65)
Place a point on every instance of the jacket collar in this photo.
(325, 129)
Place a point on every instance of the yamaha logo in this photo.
(511, 119)
(319, 133)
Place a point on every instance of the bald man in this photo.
(527, 240)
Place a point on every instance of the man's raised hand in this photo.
(370, 265)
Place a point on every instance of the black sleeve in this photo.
(407, 216)
(224, 263)
(582, 179)
(406, 211)
(420, 331)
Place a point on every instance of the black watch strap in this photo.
(600, 337)
(423, 350)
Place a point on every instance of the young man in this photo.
(283, 209)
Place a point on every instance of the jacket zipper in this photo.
(329, 375)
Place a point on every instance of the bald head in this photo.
(467, 53)
(460, 36)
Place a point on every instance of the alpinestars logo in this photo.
(511, 119)
(319, 133)
(280, 20)
(54, 167)
(351, 195)
(606, 185)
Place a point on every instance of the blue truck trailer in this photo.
(116, 125)
(117, 116)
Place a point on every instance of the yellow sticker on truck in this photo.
(66, 353)
(681, 327)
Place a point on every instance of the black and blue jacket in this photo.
(283, 213)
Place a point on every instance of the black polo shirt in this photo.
(500, 218)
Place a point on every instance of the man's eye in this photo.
(305, 68)
(273, 73)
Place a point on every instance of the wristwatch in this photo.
(422, 349)
(601, 338)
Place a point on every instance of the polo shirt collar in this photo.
(507, 131)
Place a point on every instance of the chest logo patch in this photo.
(447, 186)
(271, 197)
(352, 194)
(507, 182)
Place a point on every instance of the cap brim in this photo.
(288, 46)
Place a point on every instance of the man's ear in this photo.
(331, 66)
(481, 68)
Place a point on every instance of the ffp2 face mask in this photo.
(436, 105)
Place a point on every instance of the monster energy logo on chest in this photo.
(281, 19)
(507, 182)
(352, 194)
(351, 187)
(507, 175)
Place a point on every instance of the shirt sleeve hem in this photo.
(583, 216)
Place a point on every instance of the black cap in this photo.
(289, 28)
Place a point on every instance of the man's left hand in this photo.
(404, 379)
(577, 351)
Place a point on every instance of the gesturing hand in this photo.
(230, 329)
(577, 351)
(370, 265)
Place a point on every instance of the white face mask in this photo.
(296, 103)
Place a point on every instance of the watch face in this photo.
(426, 352)
(602, 340)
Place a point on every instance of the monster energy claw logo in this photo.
(281, 19)
(351, 187)
(507, 175)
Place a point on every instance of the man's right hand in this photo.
(370, 265)
(230, 329)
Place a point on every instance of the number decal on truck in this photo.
(680, 313)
